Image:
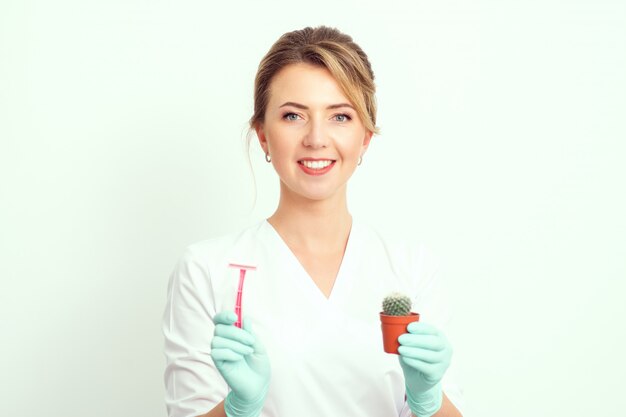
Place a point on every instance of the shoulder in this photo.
(210, 257)
(413, 267)
(200, 274)
(416, 268)
(405, 252)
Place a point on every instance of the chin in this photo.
(313, 196)
(321, 195)
(308, 192)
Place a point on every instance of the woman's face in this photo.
(312, 133)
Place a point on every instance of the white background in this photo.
(122, 140)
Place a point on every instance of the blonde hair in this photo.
(325, 47)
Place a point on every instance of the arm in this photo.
(193, 385)
(206, 354)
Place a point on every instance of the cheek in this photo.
(278, 140)
(351, 147)
(281, 149)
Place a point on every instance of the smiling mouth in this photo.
(320, 164)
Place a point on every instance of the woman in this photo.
(310, 343)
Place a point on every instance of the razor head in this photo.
(246, 267)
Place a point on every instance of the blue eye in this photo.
(342, 117)
(292, 117)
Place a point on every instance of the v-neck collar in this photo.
(344, 275)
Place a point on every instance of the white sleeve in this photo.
(193, 385)
(431, 302)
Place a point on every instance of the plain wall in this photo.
(122, 140)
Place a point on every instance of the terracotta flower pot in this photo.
(393, 327)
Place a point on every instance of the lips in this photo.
(316, 166)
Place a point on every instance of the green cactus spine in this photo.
(396, 304)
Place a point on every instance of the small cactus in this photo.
(396, 304)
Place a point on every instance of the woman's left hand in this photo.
(425, 355)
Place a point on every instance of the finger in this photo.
(225, 355)
(420, 327)
(423, 341)
(257, 345)
(234, 333)
(423, 355)
(225, 317)
(222, 343)
(429, 371)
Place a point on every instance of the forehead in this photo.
(306, 84)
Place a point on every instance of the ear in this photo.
(260, 134)
(366, 141)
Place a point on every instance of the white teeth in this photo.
(316, 164)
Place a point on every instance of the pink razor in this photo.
(242, 275)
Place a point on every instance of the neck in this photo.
(318, 226)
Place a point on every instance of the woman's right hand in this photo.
(243, 363)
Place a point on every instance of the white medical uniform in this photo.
(326, 354)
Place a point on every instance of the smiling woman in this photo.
(314, 116)
(313, 135)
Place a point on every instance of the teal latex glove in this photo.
(425, 355)
(243, 363)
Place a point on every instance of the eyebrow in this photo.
(303, 107)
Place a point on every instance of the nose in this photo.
(316, 135)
